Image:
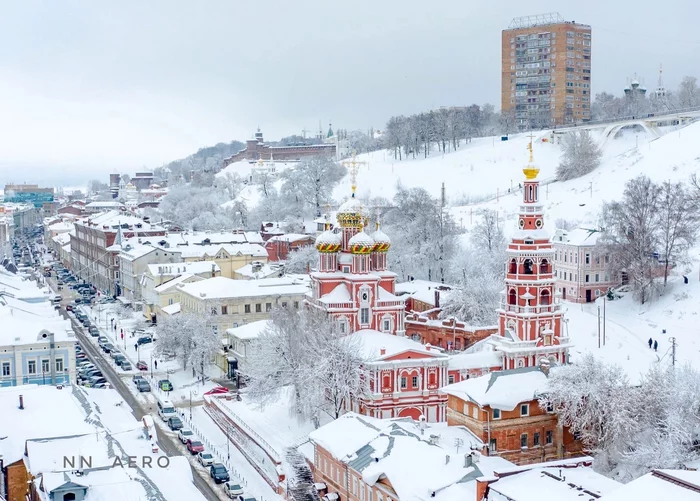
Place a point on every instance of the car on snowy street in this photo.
(184, 435)
(205, 459)
(141, 365)
(175, 423)
(232, 489)
(195, 446)
(219, 473)
(142, 385)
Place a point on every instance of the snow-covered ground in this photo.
(629, 325)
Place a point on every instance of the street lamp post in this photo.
(194, 392)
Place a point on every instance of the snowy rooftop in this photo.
(184, 278)
(67, 417)
(577, 237)
(61, 226)
(400, 451)
(62, 238)
(661, 484)
(477, 360)
(249, 331)
(373, 342)
(172, 309)
(560, 483)
(291, 238)
(175, 269)
(223, 287)
(423, 290)
(262, 271)
(502, 389)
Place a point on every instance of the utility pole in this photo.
(673, 351)
(591, 189)
(598, 326)
(604, 300)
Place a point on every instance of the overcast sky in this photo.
(87, 88)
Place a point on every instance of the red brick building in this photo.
(278, 247)
(502, 409)
(448, 334)
(256, 149)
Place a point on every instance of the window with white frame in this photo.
(45, 365)
(59, 365)
(6, 369)
(404, 382)
(364, 316)
(524, 409)
(31, 366)
(496, 413)
(386, 325)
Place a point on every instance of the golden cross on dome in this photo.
(353, 165)
(529, 146)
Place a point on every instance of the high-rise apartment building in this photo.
(546, 71)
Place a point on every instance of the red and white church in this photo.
(354, 286)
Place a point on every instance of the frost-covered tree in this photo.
(189, 337)
(631, 235)
(507, 121)
(688, 92)
(423, 235)
(304, 352)
(311, 182)
(629, 429)
(301, 260)
(487, 234)
(677, 223)
(478, 272)
(580, 155)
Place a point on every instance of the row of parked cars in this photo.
(217, 471)
(87, 373)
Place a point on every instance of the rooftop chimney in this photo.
(437, 298)
(382, 351)
(447, 458)
(482, 487)
(21, 402)
(467, 460)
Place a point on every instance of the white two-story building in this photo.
(582, 269)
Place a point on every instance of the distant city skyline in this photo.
(88, 88)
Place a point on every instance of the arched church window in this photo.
(513, 268)
(531, 199)
(512, 297)
(527, 267)
(544, 266)
(544, 298)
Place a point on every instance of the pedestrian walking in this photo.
(155, 364)
(136, 346)
(656, 345)
(650, 343)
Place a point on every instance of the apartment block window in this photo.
(588, 278)
(5, 369)
(548, 437)
(258, 308)
(524, 409)
(59, 365)
(414, 382)
(268, 307)
(214, 311)
(536, 440)
(31, 367)
(493, 445)
(597, 277)
(246, 308)
(588, 258)
(523, 440)
(404, 382)
(45, 366)
(497, 413)
(224, 310)
(284, 304)
(296, 305)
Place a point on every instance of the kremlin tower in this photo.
(352, 282)
(530, 317)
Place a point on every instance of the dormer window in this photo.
(529, 241)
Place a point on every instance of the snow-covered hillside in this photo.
(674, 156)
(629, 326)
